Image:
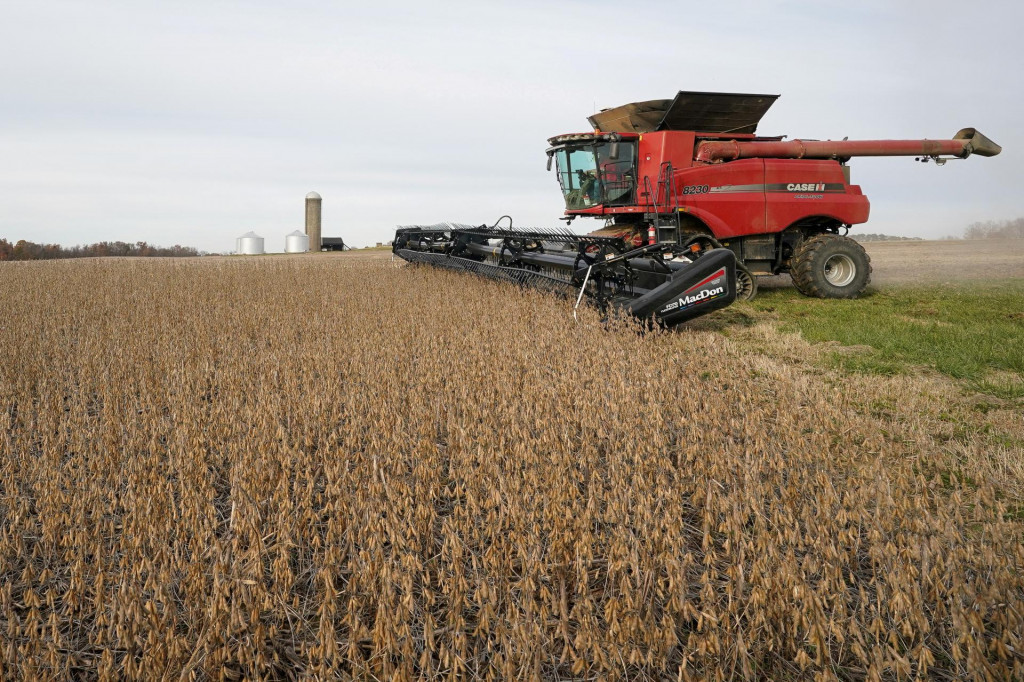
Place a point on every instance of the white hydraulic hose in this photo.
(580, 297)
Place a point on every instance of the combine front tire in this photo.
(830, 266)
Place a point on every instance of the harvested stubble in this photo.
(276, 468)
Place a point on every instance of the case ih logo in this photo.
(709, 289)
(805, 187)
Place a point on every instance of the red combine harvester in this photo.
(692, 169)
(696, 205)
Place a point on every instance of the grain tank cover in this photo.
(705, 112)
(636, 117)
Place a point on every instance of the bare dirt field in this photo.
(936, 262)
(914, 262)
(903, 262)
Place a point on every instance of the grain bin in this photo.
(250, 244)
(296, 242)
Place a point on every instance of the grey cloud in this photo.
(196, 122)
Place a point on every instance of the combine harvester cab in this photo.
(656, 282)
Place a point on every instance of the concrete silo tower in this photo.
(313, 206)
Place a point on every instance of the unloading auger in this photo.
(665, 283)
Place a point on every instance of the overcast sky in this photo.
(194, 122)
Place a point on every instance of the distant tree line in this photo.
(872, 237)
(996, 229)
(26, 250)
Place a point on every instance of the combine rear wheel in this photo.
(746, 284)
(830, 266)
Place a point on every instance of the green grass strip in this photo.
(970, 331)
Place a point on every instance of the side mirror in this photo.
(613, 148)
(550, 156)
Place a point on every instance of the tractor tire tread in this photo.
(807, 281)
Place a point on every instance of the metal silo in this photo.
(296, 242)
(250, 244)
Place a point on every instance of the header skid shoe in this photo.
(706, 285)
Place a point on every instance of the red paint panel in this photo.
(655, 149)
(800, 189)
(729, 198)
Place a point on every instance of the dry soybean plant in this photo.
(283, 468)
